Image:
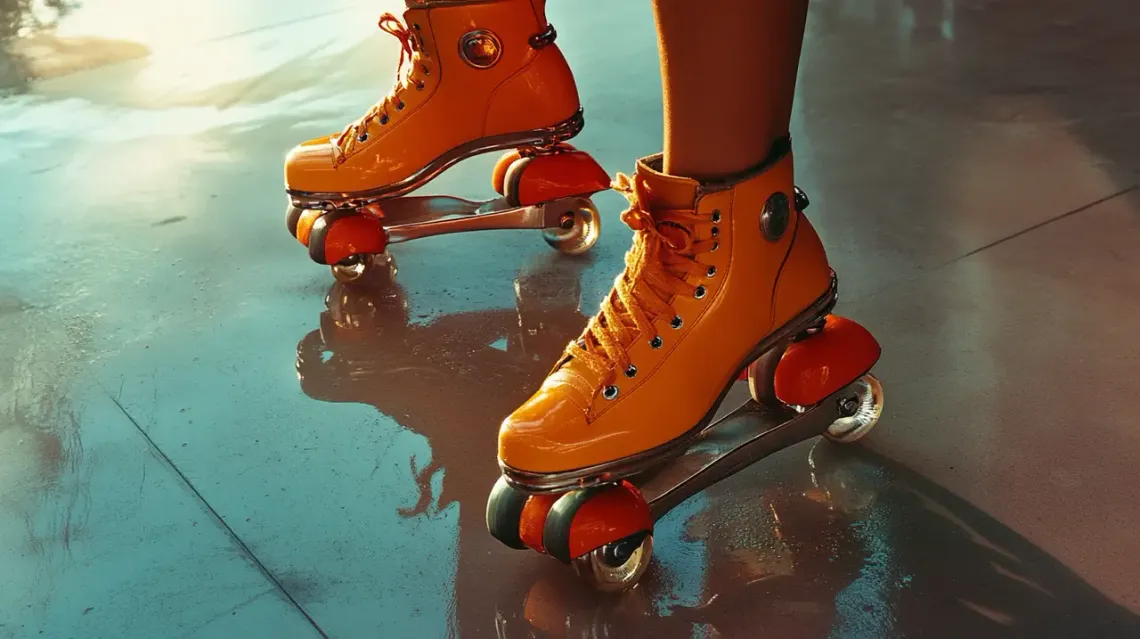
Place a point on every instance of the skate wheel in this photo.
(343, 234)
(306, 218)
(504, 512)
(292, 218)
(865, 410)
(604, 532)
(356, 267)
(761, 376)
(531, 180)
(578, 231)
(499, 173)
(814, 368)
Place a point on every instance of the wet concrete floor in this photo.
(202, 436)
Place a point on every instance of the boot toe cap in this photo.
(546, 434)
(311, 166)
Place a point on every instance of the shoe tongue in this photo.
(660, 191)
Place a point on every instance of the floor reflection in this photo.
(819, 541)
(844, 543)
(451, 379)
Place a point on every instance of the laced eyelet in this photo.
(384, 119)
(400, 107)
(676, 322)
(656, 342)
(716, 216)
(610, 392)
(363, 137)
(711, 272)
(631, 372)
(715, 231)
(700, 292)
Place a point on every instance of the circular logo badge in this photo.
(775, 217)
(481, 49)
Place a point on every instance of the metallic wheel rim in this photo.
(598, 573)
(849, 429)
(350, 269)
(582, 236)
(354, 268)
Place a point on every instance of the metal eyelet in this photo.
(716, 216)
(715, 246)
(427, 71)
(610, 392)
(715, 231)
(711, 272)
(676, 322)
(420, 85)
(656, 342)
(699, 293)
(363, 137)
(384, 119)
(400, 107)
(631, 372)
(416, 26)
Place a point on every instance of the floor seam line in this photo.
(923, 272)
(245, 549)
(1034, 227)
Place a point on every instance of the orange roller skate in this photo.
(722, 279)
(474, 77)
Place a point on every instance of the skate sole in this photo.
(543, 137)
(643, 462)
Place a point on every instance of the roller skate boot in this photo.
(722, 279)
(473, 77)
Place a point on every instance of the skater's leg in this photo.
(724, 272)
(729, 74)
(681, 323)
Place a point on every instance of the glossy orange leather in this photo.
(526, 89)
(354, 235)
(816, 367)
(534, 518)
(567, 424)
(614, 513)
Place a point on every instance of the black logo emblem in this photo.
(775, 217)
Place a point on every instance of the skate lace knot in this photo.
(411, 50)
(666, 245)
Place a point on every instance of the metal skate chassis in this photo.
(604, 528)
(414, 217)
(743, 437)
(547, 189)
(352, 240)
